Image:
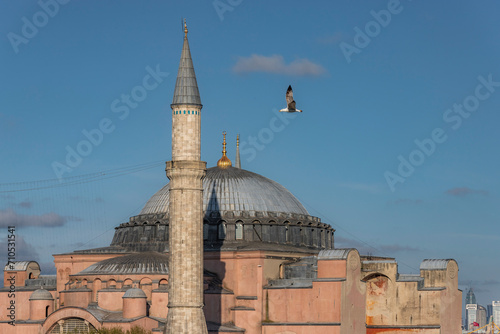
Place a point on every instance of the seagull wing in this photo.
(289, 95)
(289, 98)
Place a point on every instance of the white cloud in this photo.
(276, 64)
(9, 217)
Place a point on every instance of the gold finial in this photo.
(224, 143)
(185, 28)
(238, 140)
(224, 162)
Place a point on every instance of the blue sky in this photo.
(391, 92)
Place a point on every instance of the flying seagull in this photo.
(290, 103)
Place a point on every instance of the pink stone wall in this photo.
(321, 303)
(110, 300)
(159, 302)
(330, 269)
(21, 303)
(20, 329)
(76, 298)
(71, 264)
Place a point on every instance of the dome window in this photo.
(239, 231)
(222, 231)
(205, 231)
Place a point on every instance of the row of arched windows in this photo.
(281, 233)
(296, 234)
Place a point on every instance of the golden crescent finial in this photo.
(185, 28)
(224, 162)
(224, 143)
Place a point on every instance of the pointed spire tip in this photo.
(186, 88)
(237, 163)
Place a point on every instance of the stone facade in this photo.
(186, 248)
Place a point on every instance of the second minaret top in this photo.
(186, 88)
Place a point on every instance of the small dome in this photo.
(134, 293)
(234, 189)
(21, 266)
(334, 254)
(138, 263)
(41, 294)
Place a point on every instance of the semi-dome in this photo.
(138, 263)
(234, 189)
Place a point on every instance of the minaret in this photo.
(186, 172)
(237, 163)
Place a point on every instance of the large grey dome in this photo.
(234, 189)
(241, 210)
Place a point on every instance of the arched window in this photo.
(239, 231)
(111, 284)
(222, 230)
(146, 284)
(46, 311)
(96, 286)
(205, 231)
(163, 284)
(128, 282)
(287, 231)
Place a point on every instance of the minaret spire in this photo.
(186, 87)
(237, 162)
(186, 172)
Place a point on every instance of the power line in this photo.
(338, 226)
(73, 180)
(14, 187)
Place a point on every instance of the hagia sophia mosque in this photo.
(226, 250)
